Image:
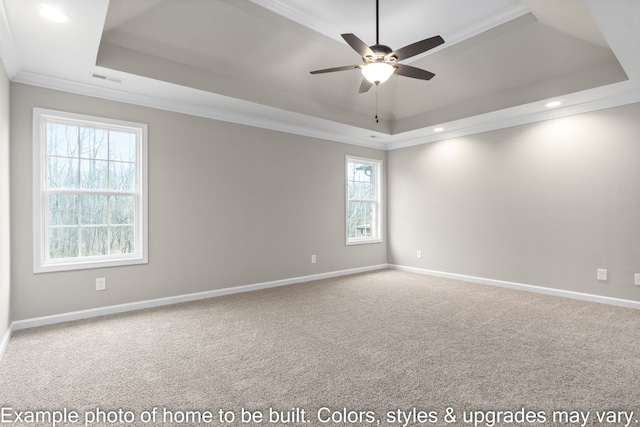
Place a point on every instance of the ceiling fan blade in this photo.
(358, 45)
(417, 48)
(331, 70)
(365, 86)
(413, 72)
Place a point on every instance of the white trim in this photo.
(523, 287)
(503, 119)
(5, 340)
(40, 243)
(8, 55)
(378, 166)
(225, 109)
(308, 19)
(479, 27)
(614, 95)
(122, 308)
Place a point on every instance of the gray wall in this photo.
(542, 204)
(229, 205)
(5, 227)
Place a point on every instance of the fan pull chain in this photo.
(377, 121)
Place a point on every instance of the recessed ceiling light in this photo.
(52, 14)
(438, 129)
(553, 104)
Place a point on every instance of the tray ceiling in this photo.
(249, 61)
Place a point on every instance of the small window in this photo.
(364, 207)
(89, 191)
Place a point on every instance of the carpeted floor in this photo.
(352, 350)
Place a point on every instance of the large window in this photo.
(89, 191)
(364, 207)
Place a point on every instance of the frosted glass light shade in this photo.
(377, 72)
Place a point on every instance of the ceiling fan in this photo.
(380, 61)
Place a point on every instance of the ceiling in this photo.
(248, 61)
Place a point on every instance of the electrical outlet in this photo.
(313, 259)
(637, 279)
(419, 254)
(602, 274)
(101, 284)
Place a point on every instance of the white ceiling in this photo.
(249, 61)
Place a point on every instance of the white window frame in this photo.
(377, 167)
(41, 261)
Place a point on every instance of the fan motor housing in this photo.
(382, 53)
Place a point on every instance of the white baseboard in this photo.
(5, 341)
(121, 308)
(524, 287)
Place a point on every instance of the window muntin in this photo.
(90, 203)
(363, 190)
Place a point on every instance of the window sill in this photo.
(87, 264)
(363, 242)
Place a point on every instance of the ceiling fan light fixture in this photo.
(380, 61)
(377, 72)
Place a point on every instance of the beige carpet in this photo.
(374, 342)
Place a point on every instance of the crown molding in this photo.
(298, 124)
(300, 16)
(478, 28)
(512, 117)
(8, 55)
(287, 121)
(309, 20)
